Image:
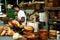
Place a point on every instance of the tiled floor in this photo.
(6, 38)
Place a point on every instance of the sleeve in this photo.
(21, 14)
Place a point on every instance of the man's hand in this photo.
(21, 20)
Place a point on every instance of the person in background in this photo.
(20, 14)
(10, 12)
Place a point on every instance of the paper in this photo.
(42, 17)
(0, 8)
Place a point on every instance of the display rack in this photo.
(32, 5)
(52, 8)
(49, 21)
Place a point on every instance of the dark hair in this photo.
(14, 6)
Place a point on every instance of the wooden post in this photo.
(6, 5)
(33, 0)
(17, 2)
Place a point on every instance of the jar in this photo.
(31, 36)
(49, 4)
(43, 34)
(52, 34)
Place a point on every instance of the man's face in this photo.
(16, 9)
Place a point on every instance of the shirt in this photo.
(20, 15)
(11, 13)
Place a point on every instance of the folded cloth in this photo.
(16, 36)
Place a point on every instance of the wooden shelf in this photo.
(58, 20)
(39, 2)
(55, 19)
(52, 8)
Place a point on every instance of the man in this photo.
(21, 15)
(21, 18)
(10, 12)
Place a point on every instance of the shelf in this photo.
(39, 2)
(55, 19)
(54, 24)
(2, 15)
(58, 20)
(52, 8)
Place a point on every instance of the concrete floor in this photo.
(6, 38)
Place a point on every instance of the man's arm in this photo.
(21, 16)
(22, 19)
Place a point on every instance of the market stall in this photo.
(42, 21)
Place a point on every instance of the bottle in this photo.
(58, 35)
